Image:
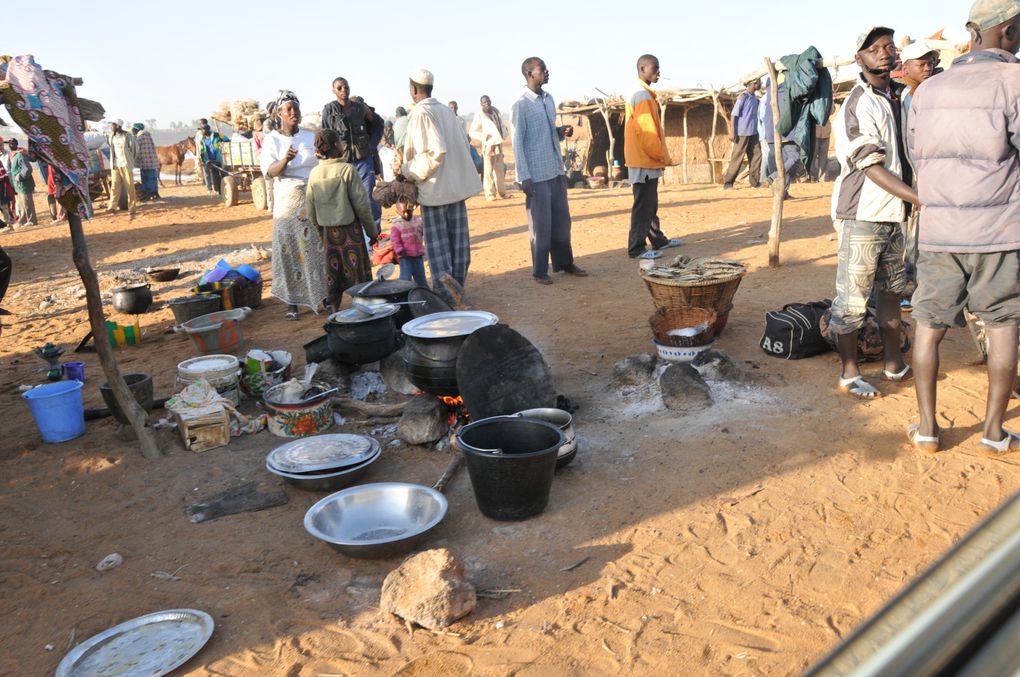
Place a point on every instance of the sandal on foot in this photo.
(650, 254)
(923, 442)
(675, 242)
(1008, 444)
(898, 376)
(291, 315)
(859, 388)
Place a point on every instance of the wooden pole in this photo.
(97, 322)
(610, 154)
(779, 185)
(711, 139)
(686, 108)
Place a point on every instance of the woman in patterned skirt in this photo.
(338, 204)
(288, 156)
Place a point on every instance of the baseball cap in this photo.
(865, 39)
(916, 50)
(422, 77)
(987, 14)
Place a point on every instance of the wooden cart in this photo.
(242, 173)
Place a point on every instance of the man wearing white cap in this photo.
(919, 61)
(436, 157)
(122, 165)
(963, 134)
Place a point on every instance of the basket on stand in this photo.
(666, 320)
(714, 294)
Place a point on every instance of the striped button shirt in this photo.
(536, 140)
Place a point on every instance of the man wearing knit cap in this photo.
(436, 157)
(968, 171)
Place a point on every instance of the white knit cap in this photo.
(422, 77)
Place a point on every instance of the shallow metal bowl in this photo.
(374, 521)
(329, 481)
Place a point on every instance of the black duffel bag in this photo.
(793, 333)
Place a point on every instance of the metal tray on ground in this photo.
(149, 646)
(333, 452)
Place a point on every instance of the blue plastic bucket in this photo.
(58, 410)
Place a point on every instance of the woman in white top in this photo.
(299, 263)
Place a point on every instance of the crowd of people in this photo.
(929, 182)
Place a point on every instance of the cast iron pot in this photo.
(358, 339)
(385, 291)
(511, 461)
(133, 300)
(431, 363)
(140, 386)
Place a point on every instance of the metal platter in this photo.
(355, 316)
(323, 452)
(452, 323)
(147, 646)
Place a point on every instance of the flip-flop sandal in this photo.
(898, 376)
(291, 315)
(650, 254)
(922, 442)
(859, 388)
(1008, 444)
(675, 242)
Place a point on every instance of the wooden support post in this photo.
(779, 185)
(97, 323)
(711, 139)
(610, 154)
(686, 108)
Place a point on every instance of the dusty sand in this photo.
(684, 570)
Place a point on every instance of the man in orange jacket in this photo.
(644, 148)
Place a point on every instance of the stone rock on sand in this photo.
(429, 589)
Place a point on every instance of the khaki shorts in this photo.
(985, 284)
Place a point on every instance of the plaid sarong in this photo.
(447, 243)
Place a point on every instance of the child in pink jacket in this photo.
(408, 239)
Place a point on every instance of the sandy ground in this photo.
(747, 539)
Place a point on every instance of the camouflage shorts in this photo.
(870, 257)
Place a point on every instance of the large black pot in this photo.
(389, 291)
(511, 461)
(356, 338)
(133, 300)
(140, 386)
(431, 345)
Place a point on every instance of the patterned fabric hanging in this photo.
(44, 104)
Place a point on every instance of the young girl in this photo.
(338, 204)
(408, 239)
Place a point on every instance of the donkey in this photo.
(174, 155)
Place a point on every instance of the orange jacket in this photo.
(644, 140)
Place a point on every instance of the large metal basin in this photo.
(375, 521)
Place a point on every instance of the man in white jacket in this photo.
(490, 131)
(437, 158)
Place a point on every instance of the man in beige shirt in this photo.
(490, 132)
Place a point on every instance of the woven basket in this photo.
(721, 319)
(715, 295)
(664, 320)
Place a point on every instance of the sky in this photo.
(177, 60)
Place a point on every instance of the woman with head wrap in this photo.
(288, 156)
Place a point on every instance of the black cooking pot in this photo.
(431, 364)
(431, 345)
(389, 291)
(133, 300)
(356, 338)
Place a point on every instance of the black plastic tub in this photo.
(140, 386)
(511, 462)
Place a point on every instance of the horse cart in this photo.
(242, 173)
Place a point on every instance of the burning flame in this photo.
(452, 401)
(458, 414)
